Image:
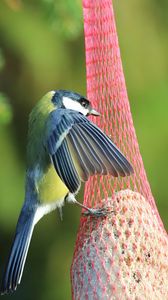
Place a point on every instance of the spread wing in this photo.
(79, 149)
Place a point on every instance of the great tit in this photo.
(64, 149)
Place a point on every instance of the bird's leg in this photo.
(96, 212)
(60, 212)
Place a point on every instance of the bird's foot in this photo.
(97, 212)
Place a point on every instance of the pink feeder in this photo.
(125, 255)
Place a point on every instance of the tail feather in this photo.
(19, 250)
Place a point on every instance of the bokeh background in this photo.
(42, 48)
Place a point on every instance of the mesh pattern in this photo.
(124, 256)
(107, 91)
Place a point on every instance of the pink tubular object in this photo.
(111, 256)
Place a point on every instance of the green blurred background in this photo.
(42, 48)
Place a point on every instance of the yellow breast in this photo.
(50, 187)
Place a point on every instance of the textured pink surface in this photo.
(123, 256)
(107, 91)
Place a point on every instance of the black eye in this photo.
(84, 103)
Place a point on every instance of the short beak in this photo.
(94, 112)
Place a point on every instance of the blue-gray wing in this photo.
(79, 149)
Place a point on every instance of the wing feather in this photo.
(65, 167)
(116, 160)
(112, 149)
(79, 149)
(90, 152)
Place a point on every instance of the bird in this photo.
(64, 149)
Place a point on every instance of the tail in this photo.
(19, 250)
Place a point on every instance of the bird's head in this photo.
(74, 101)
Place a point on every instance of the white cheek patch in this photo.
(74, 105)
